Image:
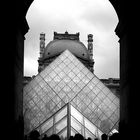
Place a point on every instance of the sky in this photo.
(96, 17)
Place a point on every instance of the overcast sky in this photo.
(96, 17)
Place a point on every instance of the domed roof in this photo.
(56, 47)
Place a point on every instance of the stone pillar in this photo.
(42, 44)
(16, 57)
(42, 48)
(90, 46)
(125, 30)
(90, 51)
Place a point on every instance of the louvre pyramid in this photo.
(67, 80)
(67, 122)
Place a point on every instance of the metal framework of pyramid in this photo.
(67, 122)
(67, 80)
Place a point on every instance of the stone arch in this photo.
(22, 29)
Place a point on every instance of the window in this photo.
(76, 125)
(48, 124)
(61, 114)
(88, 134)
(62, 124)
(63, 134)
(76, 114)
(90, 126)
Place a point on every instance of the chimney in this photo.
(90, 51)
(42, 44)
(90, 46)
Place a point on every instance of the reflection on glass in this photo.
(91, 95)
(100, 85)
(97, 101)
(95, 80)
(57, 70)
(85, 70)
(81, 84)
(96, 90)
(66, 79)
(105, 90)
(37, 88)
(80, 75)
(87, 112)
(71, 66)
(90, 75)
(112, 106)
(57, 89)
(99, 133)
(67, 69)
(85, 80)
(86, 90)
(61, 74)
(40, 116)
(71, 84)
(62, 124)
(47, 78)
(90, 85)
(66, 89)
(88, 134)
(76, 89)
(47, 125)
(33, 83)
(73, 132)
(113, 117)
(52, 74)
(53, 65)
(61, 84)
(31, 103)
(62, 66)
(71, 75)
(86, 100)
(63, 135)
(49, 132)
(116, 101)
(76, 79)
(34, 122)
(111, 96)
(81, 106)
(52, 83)
(77, 100)
(90, 126)
(56, 99)
(76, 125)
(76, 114)
(61, 114)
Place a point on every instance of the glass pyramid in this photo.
(67, 122)
(67, 80)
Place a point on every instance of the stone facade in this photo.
(87, 53)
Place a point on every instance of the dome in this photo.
(56, 47)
